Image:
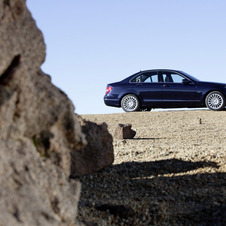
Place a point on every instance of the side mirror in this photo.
(185, 81)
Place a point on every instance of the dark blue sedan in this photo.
(164, 89)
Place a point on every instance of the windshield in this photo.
(190, 76)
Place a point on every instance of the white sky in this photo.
(94, 42)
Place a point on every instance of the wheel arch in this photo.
(133, 93)
(210, 91)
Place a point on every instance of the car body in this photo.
(164, 88)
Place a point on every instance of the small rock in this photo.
(198, 120)
(124, 132)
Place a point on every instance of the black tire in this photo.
(215, 101)
(145, 109)
(130, 103)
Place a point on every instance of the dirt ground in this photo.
(173, 172)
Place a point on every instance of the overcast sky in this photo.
(94, 42)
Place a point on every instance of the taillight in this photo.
(108, 89)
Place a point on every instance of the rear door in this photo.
(148, 87)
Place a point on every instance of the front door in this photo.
(177, 94)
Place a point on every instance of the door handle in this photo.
(166, 85)
(138, 84)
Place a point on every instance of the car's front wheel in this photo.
(130, 103)
(215, 101)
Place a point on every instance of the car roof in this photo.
(172, 70)
(160, 70)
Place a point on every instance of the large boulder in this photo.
(38, 129)
(98, 153)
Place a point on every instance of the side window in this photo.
(172, 77)
(146, 77)
(177, 78)
(167, 77)
(152, 78)
(137, 79)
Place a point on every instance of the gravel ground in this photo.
(172, 173)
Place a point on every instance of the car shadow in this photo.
(139, 138)
(165, 192)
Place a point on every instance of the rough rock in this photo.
(98, 153)
(124, 132)
(38, 129)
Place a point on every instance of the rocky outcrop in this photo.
(124, 132)
(38, 129)
(98, 153)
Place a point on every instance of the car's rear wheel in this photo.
(130, 103)
(215, 101)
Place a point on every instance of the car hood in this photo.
(209, 83)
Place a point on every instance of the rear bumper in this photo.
(111, 102)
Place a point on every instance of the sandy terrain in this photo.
(172, 173)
